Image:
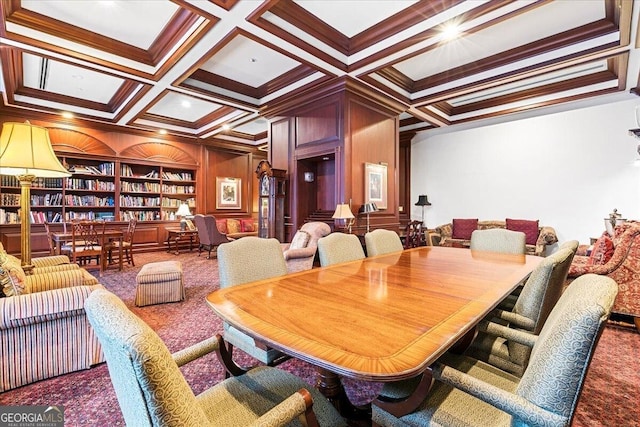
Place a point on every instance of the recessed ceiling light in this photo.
(450, 31)
(226, 127)
(185, 104)
(162, 132)
(67, 115)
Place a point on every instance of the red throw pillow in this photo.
(528, 227)
(462, 228)
(602, 251)
(246, 225)
(222, 225)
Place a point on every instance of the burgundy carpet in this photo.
(610, 396)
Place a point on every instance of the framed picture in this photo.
(228, 193)
(375, 184)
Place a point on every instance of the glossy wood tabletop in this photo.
(381, 318)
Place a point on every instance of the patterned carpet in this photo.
(610, 394)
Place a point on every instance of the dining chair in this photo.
(469, 392)
(246, 260)
(339, 247)
(87, 238)
(498, 240)
(127, 243)
(382, 241)
(414, 235)
(208, 234)
(151, 390)
(53, 250)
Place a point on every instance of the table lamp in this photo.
(423, 201)
(343, 216)
(183, 212)
(26, 153)
(367, 208)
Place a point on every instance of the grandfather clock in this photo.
(271, 200)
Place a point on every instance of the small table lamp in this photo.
(367, 208)
(183, 212)
(423, 201)
(26, 152)
(343, 216)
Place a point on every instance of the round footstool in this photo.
(159, 282)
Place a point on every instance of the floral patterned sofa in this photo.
(458, 233)
(617, 257)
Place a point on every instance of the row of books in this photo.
(140, 187)
(139, 201)
(181, 176)
(9, 199)
(12, 181)
(49, 199)
(90, 184)
(174, 203)
(101, 169)
(139, 215)
(178, 189)
(73, 200)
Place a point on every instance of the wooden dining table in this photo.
(383, 318)
(110, 235)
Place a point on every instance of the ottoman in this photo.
(159, 282)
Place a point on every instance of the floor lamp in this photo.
(423, 201)
(26, 153)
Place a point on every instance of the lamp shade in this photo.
(343, 211)
(183, 210)
(25, 149)
(423, 200)
(368, 208)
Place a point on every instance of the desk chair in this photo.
(127, 243)
(152, 391)
(468, 392)
(498, 240)
(339, 247)
(246, 260)
(382, 241)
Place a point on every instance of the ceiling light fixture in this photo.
(162, 131)
(450, 31)
(185, 104)
(226, 127)
(67, 115)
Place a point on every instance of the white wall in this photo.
(569, 170)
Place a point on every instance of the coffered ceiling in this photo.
(202, 69)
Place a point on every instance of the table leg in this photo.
(331, 387)
(120, 255)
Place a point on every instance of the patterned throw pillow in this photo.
(16, 282)
(462, 228)
(300, 240)
(602, 251)
(247, 225)
(528, 227)
(233, 226)
(222, 225)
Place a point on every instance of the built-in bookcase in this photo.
(99, 189)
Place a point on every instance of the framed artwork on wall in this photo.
(228, 193)
(375, 184)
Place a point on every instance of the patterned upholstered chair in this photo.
(382, 241)
(44, 331)
(468, 392)
(339, 247)
(208, 234)
(300, 253)
(498, 240)
(246, 260)
(539, 295)
(152, 391)
(623, 267)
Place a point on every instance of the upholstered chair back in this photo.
(563, 350)
(339, 247)
(571, 245)
(150, 388)
(382, 241)
(248, 259)
(498, 240)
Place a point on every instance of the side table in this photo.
(176, 235)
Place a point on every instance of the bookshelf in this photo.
(102, 189)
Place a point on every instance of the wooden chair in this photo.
(52, 247)
(414, 235)
(87, 238)
(127, 243)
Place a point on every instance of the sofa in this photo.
(458, 233)
(617, 257)
(236, 228)
(301, 252)
(44, 331)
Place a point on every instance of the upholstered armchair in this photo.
(339, 247)
(498, 240)
(300, 253)
(208, 234)
(152, 391)
(44, 331)
(382, 241)
(468, 392)
(622, 265)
